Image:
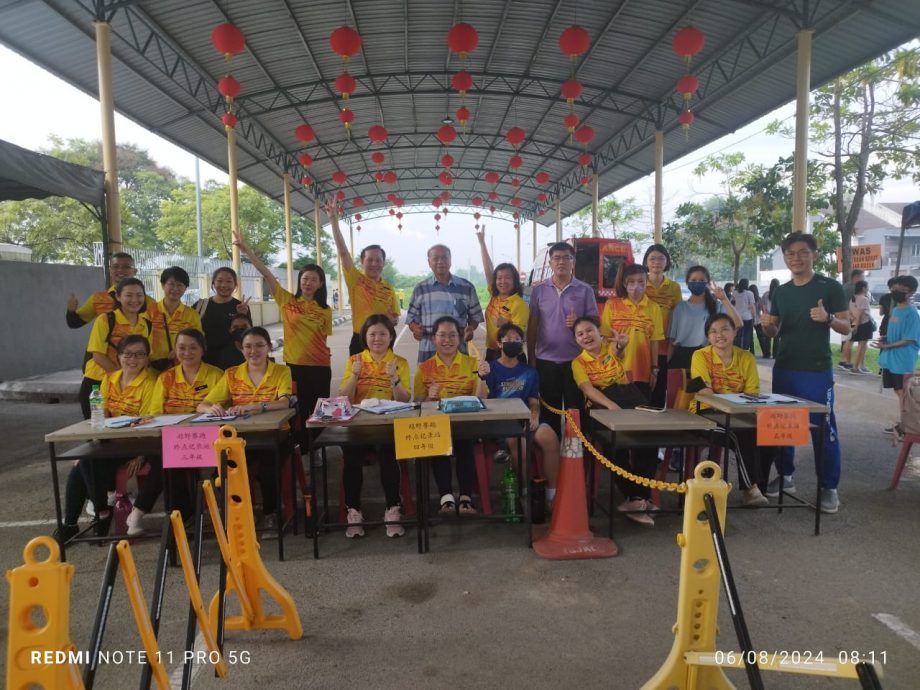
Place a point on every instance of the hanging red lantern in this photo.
(305, 133)
(399, 201)
(492, 177)
(515, 215)
(437, 216)
(686, 119)
(493, 195)
(584, 180)
(436, 202)
(476, 201)
(462, 39)
(437, 227)
(446, 134)
(515, 162)
(515, 136)
(379, 176)
(570, 90)
(305, 159)
(378, 157)
(687, 85)
(541, 177)
(462, 115)
(229, 120)
(540, 213)
(445, 195)
(392, 211)
(228, 87)
(462, 82)
(340, 195)
(477, 216)
(391, 197)
(347, 117)
(357, 215)
(517, 226)
(584, 135)
(359, 227)
(445, 178)
(228, 40)
(447, 160)
(358, 202)
(515, 182)
(444, 210)
(345, 85)
(389, 177)
(339, 177)
(306, 181)
(377, 134)
(345, 42)
(574, 41)
(571, 122)
(584, 160)
(541, 198)
(688, 42)
(399, 215)
(399, 226)
(515, 201)
(491, 209)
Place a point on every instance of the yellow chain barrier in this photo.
(616, 469)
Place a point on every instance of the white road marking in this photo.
(52, 521)
(401, 333)
(175, 678)
(899, 628)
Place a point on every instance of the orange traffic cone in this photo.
(569, 537)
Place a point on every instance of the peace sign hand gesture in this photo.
(716, 291)
(243, 307)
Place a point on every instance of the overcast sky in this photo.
(54, 107)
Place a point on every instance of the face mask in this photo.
(513, 348)
(696, 287)
(898, 297)
(238, 335)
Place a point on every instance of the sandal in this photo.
(447, 504)
(466, 506)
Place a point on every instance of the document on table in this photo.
(743, 399)
(123, 421)
(379, 406)
(215, 418)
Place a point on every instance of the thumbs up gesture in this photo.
(819, 313)
(570, 319)
(72, 302)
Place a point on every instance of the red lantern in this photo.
(445, 195)
(358, 202)
(436, 202)
(378, 158)
(437, 227)
(541, 177)
(347, 117)
(540, 213)
(399, 226)
(462, 82)
(399, 201)
(445, 178)
(515, 136)
(229, 120)
(357, 215)
(447, 134)
(392, 211)
(228, 40)
(574, 41)
(571, 89)
(228, 87)
(686, 119)
(345, 41)
(359, 227)
(584, 180)
(462, 39)
(399, 215)
(447, 160)
(339, 177)
(379, 176)
(515, 215)
(462, 115)
(515, 182)
(340, 195)
(305, 133)
(476, 201)
(517, 226)
(515, 201)
(515, 162)
(492, 177)
(688, 42)
(541, 198)
(571, 122)
(306, 181)
(437, 216)
(391, 197)
(377, 134)
(584, 135)
(491, 209)
(584, 160)
(444, 210)
(345, 85)
(493, 196)
(389, 177)
(477, 216)
(305, 159)
(687, 85)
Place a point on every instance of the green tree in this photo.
(612, 217)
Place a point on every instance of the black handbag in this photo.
(626, 395)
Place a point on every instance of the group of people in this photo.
(647, 345)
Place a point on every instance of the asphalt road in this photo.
(481, 610)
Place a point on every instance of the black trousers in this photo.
(660, 391)
(557, 388)
(353, 474)
(643, 462)
(466, 469)
(312, 384)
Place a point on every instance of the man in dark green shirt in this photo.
(802, 313)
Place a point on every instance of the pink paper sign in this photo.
(189, 446)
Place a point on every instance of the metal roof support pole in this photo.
(802, 100)
(318, 231)
(534, 238)
(517, 229)
(594, 232)
(234, 204)
(659, 181)
(107, 108)
(287, 233)
(558, 219)
(351, 237)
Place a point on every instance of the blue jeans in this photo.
(819, 387)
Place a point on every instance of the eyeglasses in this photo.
(447, 336)
(133, 355)
(800, 254)
(562, 258)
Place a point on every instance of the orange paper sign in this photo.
(782, 426)
(422, 437)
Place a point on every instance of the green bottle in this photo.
(510, 494)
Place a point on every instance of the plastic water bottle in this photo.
(96, 409)
(510, 494)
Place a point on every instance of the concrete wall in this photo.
(34, 336)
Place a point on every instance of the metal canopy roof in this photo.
(166, 70)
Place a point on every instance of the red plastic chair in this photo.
(906, 442)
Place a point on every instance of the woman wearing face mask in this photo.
(633, 314)
(216, 311)
(169, 315)
(666, 294)
(376, 372)
(307, 321)
(686, 331)
(231, 354)
(507, 304)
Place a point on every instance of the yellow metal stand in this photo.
(698, 597)
(39, 652)
(244, 551)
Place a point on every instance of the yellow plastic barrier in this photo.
(233, 568)
(244, 550)
(39, 651)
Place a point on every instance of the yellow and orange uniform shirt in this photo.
(369, 297)
(175, 394)
(236, 388)
(642, 323)
(604, 370)
(102, 342)
(512, 308)
(135, 400)
(373, 379)
(666, 296)
(162, 323)
(460, 378)
(102, 302)
(306, 327)
(739, 376)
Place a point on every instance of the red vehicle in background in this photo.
(597, 261)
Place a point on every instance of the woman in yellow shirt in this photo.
(307, 321)
(721, 367)
(375, 372)
(450, 373)
(126, 391)
(169, 315)
(666, 294)
(257, 386)
(507, 304)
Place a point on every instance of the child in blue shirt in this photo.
(901, 343)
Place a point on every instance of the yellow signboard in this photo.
(422, 437)
(866, 257)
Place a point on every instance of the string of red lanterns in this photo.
(686, 43)
(228, 40)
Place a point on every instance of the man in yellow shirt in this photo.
(121, 265)
(368, 292)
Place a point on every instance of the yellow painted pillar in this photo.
(802, 102)
(234, 205)
(558, 220)
(318, 231)
(288, 244)
(594, 194)
(659, 181)
(109, 158)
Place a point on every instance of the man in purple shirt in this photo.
(554, 306)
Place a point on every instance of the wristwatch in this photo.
(264, 408)
(830, 318)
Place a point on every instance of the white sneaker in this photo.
(394, 514)
(637, 504)
(355, 518)
(135, 528)
(773, 486)
(830, 501)
(753, 497)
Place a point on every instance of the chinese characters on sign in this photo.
(782, 426)
(189, 446)
(422, 437)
